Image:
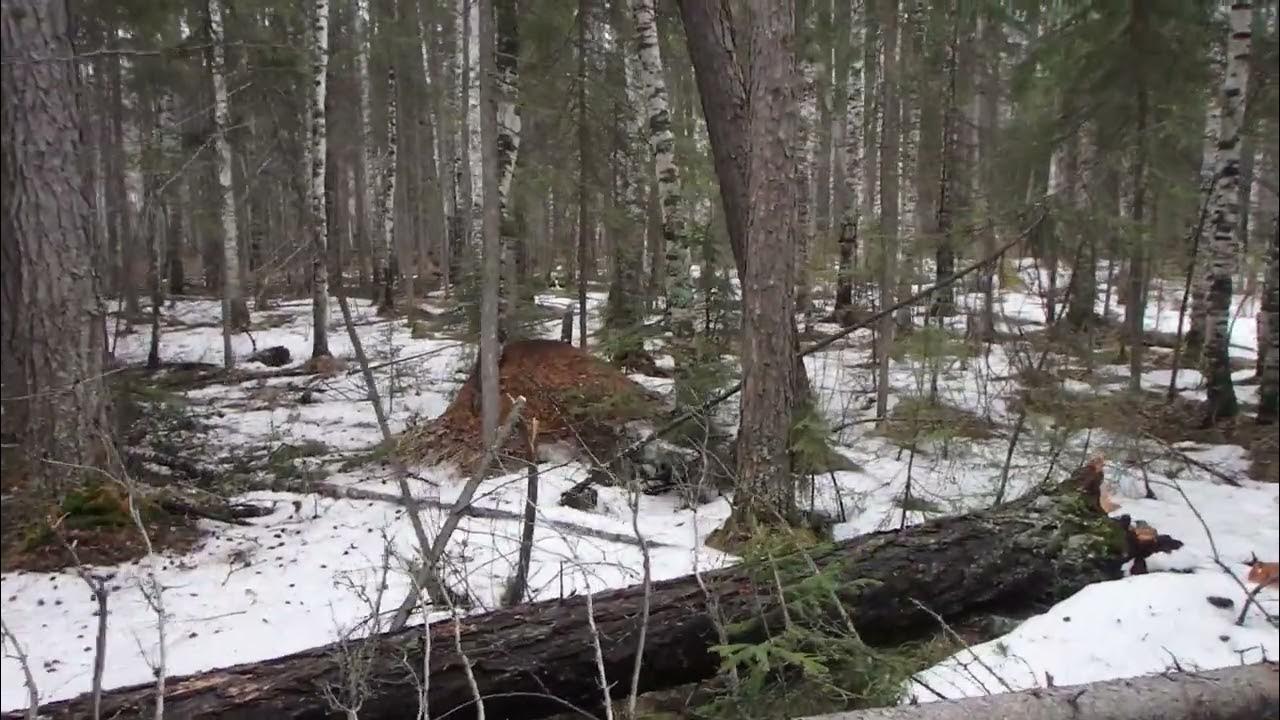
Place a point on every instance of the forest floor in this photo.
(308, 573)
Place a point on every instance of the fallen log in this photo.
(1246, 692)
(528, 661)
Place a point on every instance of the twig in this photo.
(644, 608)
(1217, 559)
(956, 636)
(1186, 458)
(426, 571)
(466, 663)
(1251, 599)
(595, 642)
(33, 694)
(98, 587)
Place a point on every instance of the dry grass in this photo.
(917, 419)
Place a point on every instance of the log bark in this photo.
(1235, 693)
(528, 660)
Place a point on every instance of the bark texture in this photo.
(848, 81)
(390, 177)
(51, 311)
(235, 313)
(319, 219)
(709, 31)
(1041, 548)
(662, 141)
(1224, 217)
(764, 492)
(1235, 693)
(490, 344)
(1269, 338)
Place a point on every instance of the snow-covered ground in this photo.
(309, 572)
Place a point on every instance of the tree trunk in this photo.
(944, 302)
(1196, 333)
(1084, 273)
(1136, 308)
(721, 85)
(389, 267)
(52, 330)
(316, 202)
(490, 345)
(508, 45)
(364, 174)
(527, 660)
(678, 281)
(120, 207)
(988, 91)
(764, 491)
(235, 313)
(805, 164)
(585, 221)
(1269, 340)
(1224, 259)
(888, 173)
(849, 105)
(1245, 692)
(623, 310)
(464, 211)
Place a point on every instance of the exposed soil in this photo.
(574, 397)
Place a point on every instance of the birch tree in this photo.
(508, 148)
(490, 349)
(235, 313)
(364, 183)
(678, 281)
(319, 219)
(849, 81)
(1196, 333)
(390, 176)
(1223, 258)
(888, 171)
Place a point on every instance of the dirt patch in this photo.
(576, 398)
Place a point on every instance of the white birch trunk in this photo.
(490, 344)
(234, 310)
(388, 204)
(1225, 216)
(806, 222)
(365, 173)
(678, 281)
(1200, 287)
(319, 146)
(852, 159)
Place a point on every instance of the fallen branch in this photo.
(531, 660)
(342, 492)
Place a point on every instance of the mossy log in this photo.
(529, 661)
